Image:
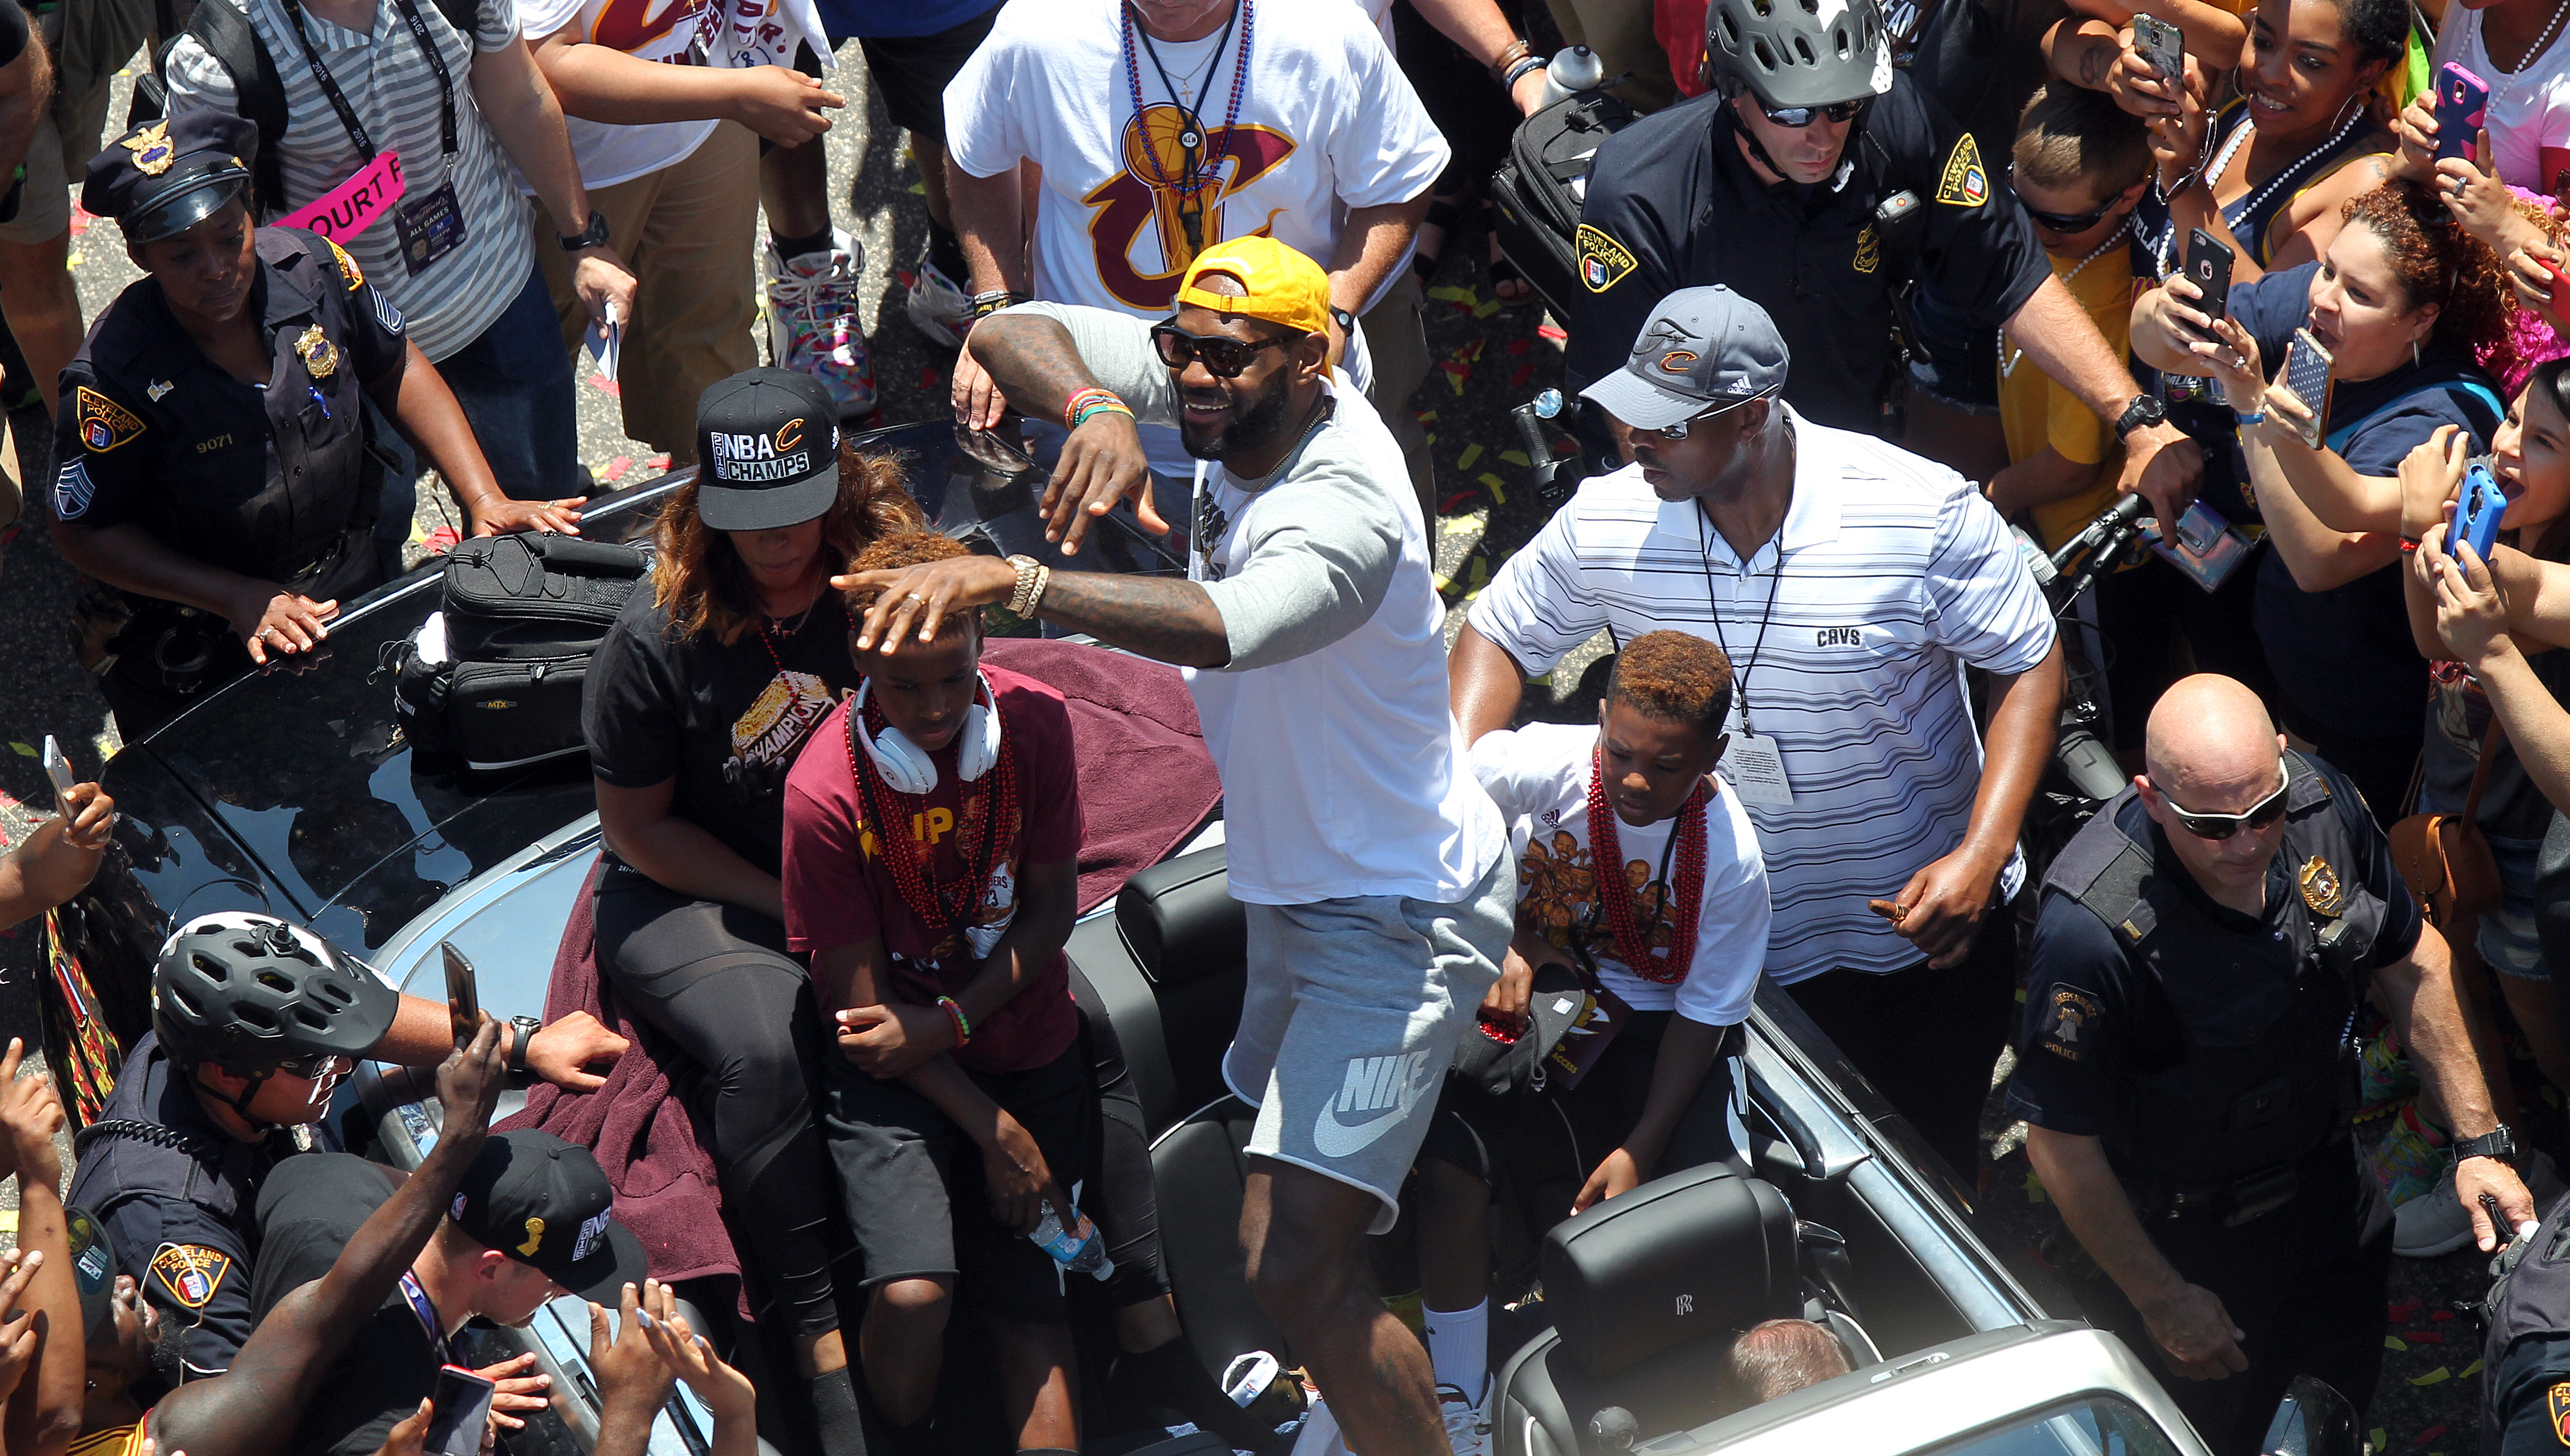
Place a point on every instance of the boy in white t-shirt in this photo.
(1676, 929)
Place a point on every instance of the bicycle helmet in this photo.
(250, 992)
(1799, 53)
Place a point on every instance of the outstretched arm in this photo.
(252, 1408)
(1173, 621)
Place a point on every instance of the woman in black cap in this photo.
(695, 706)
(214, 468)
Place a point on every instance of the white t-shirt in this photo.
(1539, 776)
(736, 33)
(1327, 122)
(2530, 109)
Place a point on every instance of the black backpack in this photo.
(1536, 194)
(520, 617)
(222, 27)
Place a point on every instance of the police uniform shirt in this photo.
(1672, 203)
(178, 1204)
(307, 1212)
(2529, 1390)
(2092, 1012)
(262, 482)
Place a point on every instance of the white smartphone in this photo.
(59, 769)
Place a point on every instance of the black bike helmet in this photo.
(250, 992)
(1799, 53)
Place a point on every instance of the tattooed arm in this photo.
(1173, 621)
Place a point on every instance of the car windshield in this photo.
(2093, 1425)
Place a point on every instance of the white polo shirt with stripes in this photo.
(1889, 575)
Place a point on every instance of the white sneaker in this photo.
(2433, 1222)
(810, 304)
(938, 307)
(1468, 1428)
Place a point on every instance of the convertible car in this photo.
(294, 793)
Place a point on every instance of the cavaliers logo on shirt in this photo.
(190, 1271)
(104, 424)
(778, 717)
(1178, 193)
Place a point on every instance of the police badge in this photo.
(151, 149)
(2323, 890)
(321, 356)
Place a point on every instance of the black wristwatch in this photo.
(2499, 1143)
(1346, 321)
(2144, 410)
(527, 1027)
(593, 236)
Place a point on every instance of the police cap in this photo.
(166, 178)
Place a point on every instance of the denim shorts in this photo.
(2507, 940)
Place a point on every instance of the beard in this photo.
(1254, 426)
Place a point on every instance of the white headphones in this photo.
(907, 767)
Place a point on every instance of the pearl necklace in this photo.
(2222, 163)
(2542, 42)
(2008, 361)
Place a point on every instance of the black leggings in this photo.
(718, 980)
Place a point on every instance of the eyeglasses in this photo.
(2060, 221)
(1222, 358)
(2219, 827)
(1796, 118)
(1680, 430)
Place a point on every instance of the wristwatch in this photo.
(2144, 410)
(593, 236)
(1346, 321)
(527, 1027)
(2499, 1143)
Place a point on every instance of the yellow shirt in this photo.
(2036, 412)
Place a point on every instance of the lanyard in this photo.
(348, 114)
(1191, 139)
(427, 1313)
(1740, 670)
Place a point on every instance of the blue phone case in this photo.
(2477, 508)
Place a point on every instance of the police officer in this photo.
(213, 467)
(2525, 1354)
(255, 1023)
(2186, 1069)
(1818, 182)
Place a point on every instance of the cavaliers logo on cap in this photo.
(151, 149)
(1677, 361)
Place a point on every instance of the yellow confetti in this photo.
(1428, 416)
(1480, 572)
(2471, 1369)
(23, 750)
(1487, 309)
(2034, 1193)
(2381, 1442)
(1441, 582)
(1459, 525)
(1498, 488)
(1453, 294)
(1515, 457)
(1471, 451)
(2394, 1342)
(2436, 1377)
(71, 262)
(8, 1221)
(1432, 439)
(917, 191)
(1455, 380)
(1473, 595)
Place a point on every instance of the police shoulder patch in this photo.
(2557, 1406)
(347, 266)
(1603, 261)
(1966, 182)
(73, 489)
(104, 424)
(385, 313)
(2070, 1023)
(191, 1272)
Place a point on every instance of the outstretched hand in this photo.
(629, 1373)
(18, 1338)
(30, 1115)
(686, 1354)
(562, 1050)
(471, 1078)
(917, 598)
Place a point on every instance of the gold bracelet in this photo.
(1021, 599)
(1044, 579)
(1517, 51)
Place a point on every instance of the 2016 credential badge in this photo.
(104, 424)
(190, 1271)
(1603, 261)
(1966, 182)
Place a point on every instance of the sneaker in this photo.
(2433, 1222)
(938, 307)
(1466, 1430)
(2384, 1075)
(812, 327)
(2409, 1163)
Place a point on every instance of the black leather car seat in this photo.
(1645, 1293)
(1181, 926)
(1201, 1176)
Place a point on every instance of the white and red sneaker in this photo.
(810, 304)
(938, 307)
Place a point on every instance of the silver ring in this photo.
(922, 601)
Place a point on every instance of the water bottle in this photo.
(1079, 1250)
(1572, 68)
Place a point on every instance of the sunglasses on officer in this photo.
(313, 1068)
(2060, 221)
(2219, 826)
(1222, 358)
(1796, 118)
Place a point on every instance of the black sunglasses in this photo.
(1796, 118)
(2059, 221)
(311, 1068)
(1222, 358)
(2219, 826)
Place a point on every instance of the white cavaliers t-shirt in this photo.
(2529, 108)
(1539, 776)
(1326, 123)
(734, 32)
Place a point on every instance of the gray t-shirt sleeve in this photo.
(1116, 348)
(1322, 548)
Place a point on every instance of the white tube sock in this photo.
(1459, 1347)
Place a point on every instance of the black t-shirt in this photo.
(1673, 204)
(2345, 657)
(310, 1209)
(1981, 60)
(720, 718)
(2135, 1026)
(13, 42)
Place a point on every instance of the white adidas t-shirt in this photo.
(734, 32)
(1539, 776)
(2530, 109)
(1326, 123)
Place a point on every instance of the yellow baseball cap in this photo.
(1284, 287)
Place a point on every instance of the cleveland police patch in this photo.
(2556, 1403)
(71, 490)
(1603, 261)
(1965, 183)
(2070, 1023)
(104, 424)
(190, 1271)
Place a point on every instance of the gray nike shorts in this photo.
(1350, 1021)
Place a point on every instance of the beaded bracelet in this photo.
(1524, 64)
(1077, 409)
(963, 1028)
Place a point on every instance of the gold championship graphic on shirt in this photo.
(1177, 192)
(1603, 261)
(778, 717)
(190, 1271)
(104, 424)
(1965, 183)
(1560, 895)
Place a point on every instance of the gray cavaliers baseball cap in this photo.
(1702, 348)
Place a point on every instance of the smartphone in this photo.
(59, 769)
(462, 1002)
(2306, 374)
(2208, 267)
(2204, 546)
(2461, 99)
(2161, 44)
(2477, 509)
(461, 1408)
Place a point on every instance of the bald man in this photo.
(2184, 1065)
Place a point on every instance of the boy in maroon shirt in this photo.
(936, 950)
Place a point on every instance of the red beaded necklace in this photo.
(947, 908)
(1606, 865)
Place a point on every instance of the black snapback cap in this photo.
(767, 450)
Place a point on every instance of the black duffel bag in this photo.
(494, 677)
(1536, 194)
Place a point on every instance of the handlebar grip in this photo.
(2090, 767)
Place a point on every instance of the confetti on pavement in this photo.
(23, 750)
(2394, 1342)
(615, 470)
(1498, 488)
(606, 386)
(2436, 1377)
(1471, 454)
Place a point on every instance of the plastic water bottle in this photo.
(1079, 1250)
(1571, 69)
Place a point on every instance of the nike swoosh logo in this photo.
(1335, 1139)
